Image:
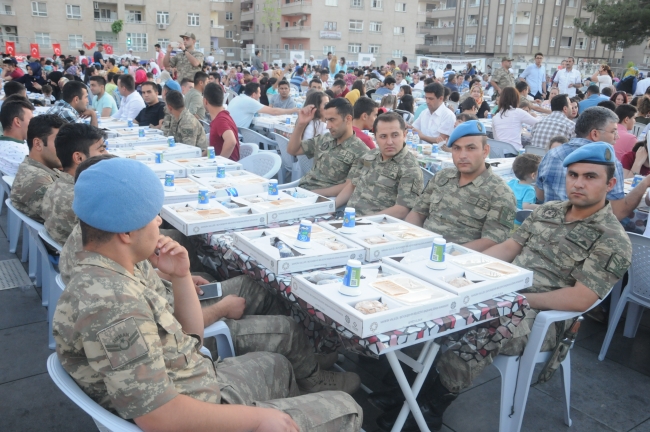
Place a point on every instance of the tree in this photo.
(618, 23)
(270, 13)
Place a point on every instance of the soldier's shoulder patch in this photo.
(617, 265)
(123, 342)
(583, 236)
(507, 216)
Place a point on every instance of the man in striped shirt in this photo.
(557, 123)
(448, 71)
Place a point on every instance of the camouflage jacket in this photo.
(194, 103)
(31, 182)
(188, 130)
(183, 67)
(503, 78)
(382, 184)
(57, 208)
(483, 208)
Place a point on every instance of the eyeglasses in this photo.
(614, 132)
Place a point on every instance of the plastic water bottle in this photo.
(489, 116)
(409, 139)
(416, 139)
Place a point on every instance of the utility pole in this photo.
(512, 30)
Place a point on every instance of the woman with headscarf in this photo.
(33, 79)
(164, 77)
(140, 78)
(371, 86)
(154, 68)
(53, 80)
(356, 92)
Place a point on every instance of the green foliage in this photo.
(117, 26)
(624, 22)
(270, 13)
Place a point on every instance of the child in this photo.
(525, 169)
(557, 141)
(47, 94)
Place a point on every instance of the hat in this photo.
(599, 153)
(173, 85)
(118, 195)
(469, 128)
(189, 35)
(506, 59)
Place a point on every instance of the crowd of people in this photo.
(129, 323)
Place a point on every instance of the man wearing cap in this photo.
(136, 354)
(187, 61)
(577, 251)
(167, 120)
(387, 180)
(502, 78)
(468, 204)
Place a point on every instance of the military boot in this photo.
(326, 361)
(323, 380)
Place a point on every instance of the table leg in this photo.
(410, 394)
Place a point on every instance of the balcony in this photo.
(4, 12)
(296, 32)
(441, 12)
(440, 29)
(217, 31)
(295, 7)
(219, 6)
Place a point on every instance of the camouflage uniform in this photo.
(595, 252)
(123, 346)
(57, 208)
(188, 130)
(382, 184)
(503, 78)
(332, 161)
(31, 182)
(183, 67)
(483, 208)
(194, 103)
(167, 122)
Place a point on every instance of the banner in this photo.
(57, 49)
(439, 64)
(297, 56)
(34, 51)
(108, 49)
(366, 59)
(10, 48)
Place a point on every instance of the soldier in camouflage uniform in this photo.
(333, 153)
(39, 170)
(184, 127)
(74, 143)
(187, 60)
(576, 249)
(468, 204)
(386, 180)
(502, 78)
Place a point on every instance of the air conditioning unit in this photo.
(162, 26)
(96, 5)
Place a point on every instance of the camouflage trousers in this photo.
(266, 380)
(469, 352)
(265, 326)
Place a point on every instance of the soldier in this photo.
(167, 120)
(386, 180)
(184, 127)
(39, 170)
(468, 204)
(333, 153)
(135, 354)
(502, 78)
(577, 250)
(74, 143)
(187, 61)
(194, 97)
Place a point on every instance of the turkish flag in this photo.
(10, 48)
(34, 51)
(57, 49)
(108, 48)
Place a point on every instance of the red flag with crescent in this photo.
(10, 48)
(34, 51)
(108, 48)
(57, 49)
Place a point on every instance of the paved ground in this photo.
(606, 396)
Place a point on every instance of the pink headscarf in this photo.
(140, 76)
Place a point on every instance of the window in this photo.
(257, 28)
(163, 43)
(228, 16)
(354, 48)
(461, 22)
(162, 17)
(193, 19)
(375, 27)
(536, 41)
(397, 54)
(134, 16)
(485, 18)
(500, 20)
(105, 15)
(73, 11)
(498, 41)
(482, 40)
(328, 48)
(470, 40)
(136, 41)
(400, 7)
(228, 34)
(593, 44)
(356, 4)
(541, 1)
(331, 3)
(75, 42)
(42, 38)
(552, 42)
(356, 25)
(374, 49)
(502, 1)
(582, 44)
(558, 2)
(460, 40)
(538, 20)
(377, 4)
(556, 21)
(398, 30)
(286, 46)
(618, 61)
(330, 25)
(39, 9)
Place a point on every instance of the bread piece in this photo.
(501, 268)
(374, 240)
(368, 307)
(390, 288)
(460, 282)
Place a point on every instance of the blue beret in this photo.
(118, 195)
(469, 128)
(172, 85)
(598, 153)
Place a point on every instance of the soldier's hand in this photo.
(306, 114)
(198, 281)
(276, 421)
(233, 306)
(181, 46)
(171, 258)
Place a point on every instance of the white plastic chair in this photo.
(250, 136)
(498, 149)
(52, 283)
(6, 190)
(30, 234)
(637, 291)
(289, 162)
(247, 149)
(517, 372)
(306, 165)
(536, 151)
(293, 184)
(265, 164)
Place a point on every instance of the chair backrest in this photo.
(264, 164)
(231, 96)
(407, 116)
(426, 176)
(287, 159)
(9, 181)
(250, 136)
(417, 93)
(102, 417)
(498, 149)
(376, 97)
(536, 151)
(522, 215)
(49, 240)
(247, 149)
(29, 221)
(306, 164)
(640, 268)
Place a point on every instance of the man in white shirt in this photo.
(436, 123)
(568, 79)
(243, 108)
(535, 76)
(132, 102)
(642, 86)
(14, 117)
(400, 81)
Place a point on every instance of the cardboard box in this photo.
(236, 183)
(257, 244)
(285, 206)
(206, 165)
(135, 131)
(191, 221)
(179, 151)
(161, 168)
(383, 235)
(186, 190)
(486, 283)
(434, 302)
(133, 153)
(135, 141)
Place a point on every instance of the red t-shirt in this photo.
(628, 161)
(222, 123)
(17, 73)
(363, 137)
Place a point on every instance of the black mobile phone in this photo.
(210, 291)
